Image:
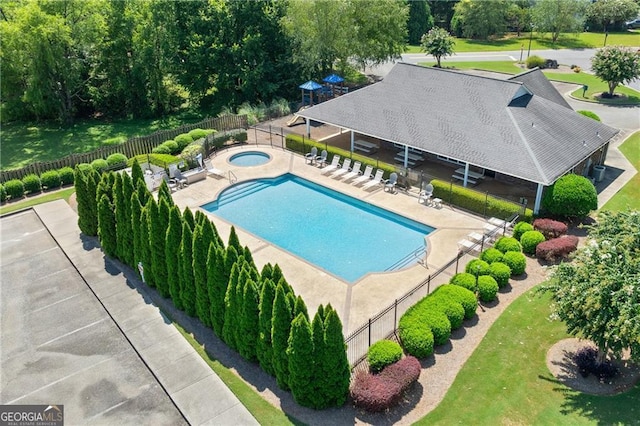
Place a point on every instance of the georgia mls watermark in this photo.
(31, 415)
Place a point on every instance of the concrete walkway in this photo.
(195, 389)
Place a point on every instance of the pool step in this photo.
(409, 259)
(241, 191)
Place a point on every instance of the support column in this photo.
(536, 206)
(466, 174)
(352, 140)
(406, 156)
(308, 120)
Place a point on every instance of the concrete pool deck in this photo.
(356, 302)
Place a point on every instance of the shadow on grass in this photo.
(602, 409)
(564, 43)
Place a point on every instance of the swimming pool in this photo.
(249, 158)
(344, 236)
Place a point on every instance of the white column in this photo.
(308, 127)
(536, 206)
(466, 175)
(406, 156)
(352, 139)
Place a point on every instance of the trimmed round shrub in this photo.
(161, 149)
(100, 164)
(383, 353)
(439, 325)
(183, 140)
(3, 194)
(173, 146)
(506, 244)
(66, 175)
(117, 161)
(84, 167)
(477, 267)
(550, 228)
(534, 61)
(32, 184)
(198, 134)
(589, 114)
(464, 279)
(491, 255)
(466, 297)
(51, 179)
(530, 241)
(487, 288)
(571, 196)
(416, 338)
(501, 273)
(520, 228)
(516, 261)
(14, 188)
(448, 306)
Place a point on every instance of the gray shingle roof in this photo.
(537, 83)
(501, 125)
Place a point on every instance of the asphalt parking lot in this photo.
(59, 345)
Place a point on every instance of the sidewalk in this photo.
(200, 395)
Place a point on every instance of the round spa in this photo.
(249, 158)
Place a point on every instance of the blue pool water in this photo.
(249, 158)
(340, 234)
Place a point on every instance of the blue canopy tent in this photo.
(310, 86)
(332, 80)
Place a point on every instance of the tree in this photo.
(437, 42)
(558, 16)
(519, 16)
(127, 245)
(608, 13)
(597, 295)
(144, 250)
(232, 307)
(319, 347)
(156, 232)
(300, 355)
(172, 255)
(200, 253)
(164, 193)
(107, 227)
(249, 321)
(137, 176)
(616, 65)
(87, 203)
(281, 327)
(571, 196)
(187, 285)
(480, 19)
(442, 12)
(264, 351)
(217, 281)
(122, 219)
(420, 20)
(335, 364)
(136, 213)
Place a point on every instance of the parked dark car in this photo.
(633, 24)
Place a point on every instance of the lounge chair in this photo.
(331, 167)
(390, 184)
(426, 194)
(310, 157)
(212, 170)
(377, 180)
(346, 166)
(364, 177)
(321, 160)
(355, 171)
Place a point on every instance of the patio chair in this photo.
(321, 160)
(333, 166)
(310, 157)
(171, 183)
(346, 166)
(377, 179)
(212, 170)
(390, 184)
(355, 171)
(364, 177)
(426, 194)
(177, 175)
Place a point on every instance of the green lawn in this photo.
(61, 194)
(542, 42)
(506, 380)
(23, 144)
(628, 197)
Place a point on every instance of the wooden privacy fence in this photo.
(132, 147)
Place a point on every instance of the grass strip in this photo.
(628, 197)
(61, 194)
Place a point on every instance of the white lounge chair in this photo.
(346, 166)
(355, 171)
(364, 177)
(377, 180)
(310, 157)
(390, 184)
(212, 170)
(331, 167)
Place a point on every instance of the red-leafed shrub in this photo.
(379, 392)
(557, 248)
(550, 228)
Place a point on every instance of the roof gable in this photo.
(538, 84)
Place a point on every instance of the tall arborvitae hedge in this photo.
(320, 399)
(300, 307)
(267, 272)
(172, 255)
(301, 363)
(231, 310)
(239, 302)
(234, 241)
(137, 175)
(153, 225)
(128, 246)
(87, 211)
(187, 216)
(107, 227)
(249, 321)
(187, 285)
(159, 241)
(200, 252)
(217, 281)
(335, 364)
(264, 351)
(122, 219)
(136, 213)
(277, 275)
(105, 186)
(143, 193)
(144, 250)
(164, 193)
(230, 258)
(281, 327)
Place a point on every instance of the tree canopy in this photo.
(616, 65)
(559, 16)
(438, 42)
(597, 294)
(608, 13)
(480, 19)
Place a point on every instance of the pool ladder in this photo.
(408, 259)
(232, 177)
